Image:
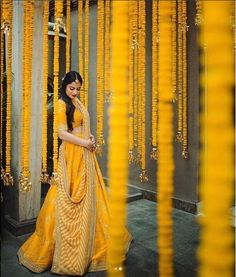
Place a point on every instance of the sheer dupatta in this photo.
(75, 219)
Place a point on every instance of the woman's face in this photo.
(73, 89)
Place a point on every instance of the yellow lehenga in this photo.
(71, 233)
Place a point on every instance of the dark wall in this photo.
(186, 171)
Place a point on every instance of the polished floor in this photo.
(142, 257)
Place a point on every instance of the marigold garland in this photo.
(118, 144)
(216, 251)
(136, 158)
(1, 99)
(154, 79)
(1, 95)
(180, 73)
(198, 17)
(174, 50)
(165, 162)
(45, 175)
(100, 75)
(6, 28)
(107, 89)
(80, 46)
(139, 88)
(185, 153)
(58, 24)
(25, 60)
(68, 16)
(143, 175)
(7, 178)
(131, 80)
(24, 179)
(233, 26)
(5, 15)
(135, 47)
(86, 53)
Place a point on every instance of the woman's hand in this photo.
(92, 138)
(93, 141)
(90, 144)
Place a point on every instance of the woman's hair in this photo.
(69, 78)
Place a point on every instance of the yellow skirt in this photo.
(37, 253)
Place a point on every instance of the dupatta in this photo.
(75, 220)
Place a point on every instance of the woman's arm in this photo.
(66, 136)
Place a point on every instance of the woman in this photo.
(71, 233)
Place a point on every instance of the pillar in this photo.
(23, 207)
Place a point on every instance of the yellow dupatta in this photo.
(75, 220)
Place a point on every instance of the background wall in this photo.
(186, 171)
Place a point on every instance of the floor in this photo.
(142, 257)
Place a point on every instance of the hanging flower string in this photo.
(185, 153)
(100, 75)
(86, 53)
(1, 95)
(174, 50)
(25, 179)
(24, 186)
(5, 15)
(4, 11)
(131, 82)
(143, 175)
(165, 162)
(198, 18)
(118, 144)
(6, 28)
(58, 25)
(45, 175)
(68, 16)
(139, 90)
(179, 135)
(80, 47)
(7, 177)
(107, 51)
(216, 250)
(135, 47)
(154, 80)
